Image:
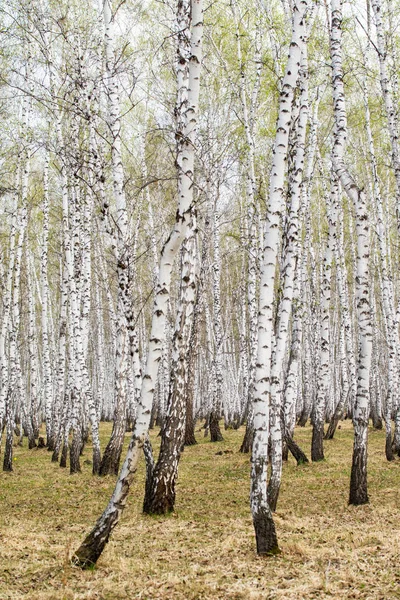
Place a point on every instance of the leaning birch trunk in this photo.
(358, 481)
(93, 545)
(262, 518)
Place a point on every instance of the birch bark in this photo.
(358, 481)
(262, 518)
(93, 545)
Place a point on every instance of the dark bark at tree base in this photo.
(336, 417)
(91, 548)
(161, 479)
(264, 527)
(154, 416)
(41, 443)
(190, 439)
(247, 443)
(388, 447)
(273, 495)
(317, 444)
(8, 453)
(303, 420)
(285, 451)
(74, 454)
(295, 450)
(96, 462)
(112, 454)
(31, 443)
(110, 463)
(377, 421)
(55, 456)
(159, 498)
(358, 479)
(215, 431)
(64, 456)
(149, 459)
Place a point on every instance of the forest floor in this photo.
(206, 548)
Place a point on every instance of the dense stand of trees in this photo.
(200, 217)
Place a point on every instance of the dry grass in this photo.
(206, 548)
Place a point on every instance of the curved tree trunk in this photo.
(93, 545)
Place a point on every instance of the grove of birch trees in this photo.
(199, 230)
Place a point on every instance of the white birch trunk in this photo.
(358, 482)
(261, 512)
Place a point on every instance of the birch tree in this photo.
(358, 482)
(262, 519)
(93, 545)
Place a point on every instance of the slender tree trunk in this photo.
(358, 481)
(264, 525)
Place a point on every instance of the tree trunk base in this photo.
(285, 451)
(8, 452)
(90, 550)
(215, 431)
(273, 494)
(264, 527)
(247, 443)
(388, 447)
(295, 450)
(31, 443)
(190, 439)
(332, 427)
(317, 444)
(358, 480)
(96, 463)
(75, 453)
(159, 502)
(112, 454)
(303, 420)
(64, 456)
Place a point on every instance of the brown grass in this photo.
(206, 548)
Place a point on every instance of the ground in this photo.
(206, 549)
